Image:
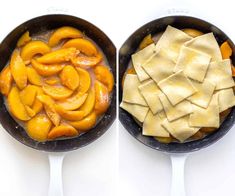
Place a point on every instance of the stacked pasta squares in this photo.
(182, 84)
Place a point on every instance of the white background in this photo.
(117, 164)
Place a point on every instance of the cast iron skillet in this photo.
(130, 46)
(44, 23)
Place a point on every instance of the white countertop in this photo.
(93, 170)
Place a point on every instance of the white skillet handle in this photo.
(177, 183)
(55, 185)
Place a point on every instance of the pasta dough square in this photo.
(150, 92)
(226, 99)
(159, 67)
(193, 62)
(204, 93)
(131, 93)
(174, 112)
(220, 74)
(138, 111)
(177, 87)
(208, 117)
(152, 126)
(207, 44)
(180, 128)
(171, 41)
(141, 57)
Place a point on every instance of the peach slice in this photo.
(165, 140)
(226, 50)
(18, 70)
(101, 98)
(39, 89)
(104, 75)
(85, 124)
(131, 71)
(198, 135)
(30, 111)
(38, 127)
(28, 94)
(192, 32)
(62, 131)
(69, 77)
(52, 80)
(33, 48)
(37, 106)
(5, 80)
(146, 41)
(89, 104)
(24, 39)
(58, 56)
(33, 76)
(83, 45)
(64, 33)
(86, 61)
(49, 106)
(69, 115)
(57, 92)
(207, 129)
(16, 107)
(85, 80)
(46, 70)
(74, 102)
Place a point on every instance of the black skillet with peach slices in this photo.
(57, 83)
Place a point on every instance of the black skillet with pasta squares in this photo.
(131, 45)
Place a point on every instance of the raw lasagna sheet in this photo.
(131, 93)
(207, 44)
(138, 111)
(226, 99)
(159, 67)
(208, 117)
(152, 126)
(177, 87)
(141, 57)
(171, 41)
(180, 128)
(204, 93)
(150, 92)
(193, 62)
(220, 74)
(174, 112)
